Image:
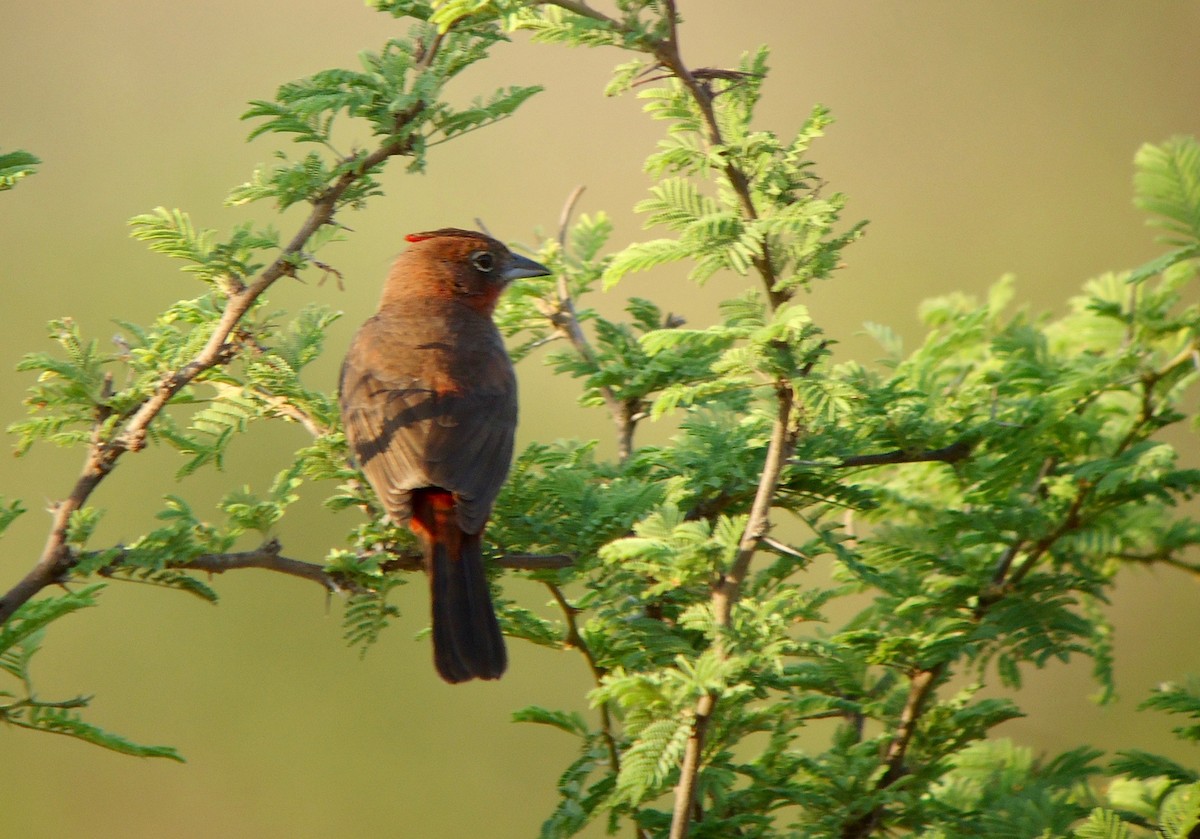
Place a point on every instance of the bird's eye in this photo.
(483, 261)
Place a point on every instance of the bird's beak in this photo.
(520, 267)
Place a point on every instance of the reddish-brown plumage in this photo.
(429, 402)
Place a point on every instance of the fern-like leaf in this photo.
(1102, 824)
(1167, 184)
(62, 718)
(368, 614)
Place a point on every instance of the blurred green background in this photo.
(979, 138)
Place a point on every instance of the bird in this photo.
(428, 399)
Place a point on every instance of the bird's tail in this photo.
(467, 643)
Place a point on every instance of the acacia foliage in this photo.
(975, 496)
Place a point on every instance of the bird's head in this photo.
(462, 264)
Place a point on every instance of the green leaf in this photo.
(448, 12)
(654, 755)
(1158, 265)
(14, 166)
(572, 722)
(225, 264)
(1167, 184)
(1143, 765)
(643, 256)
(171, 232)
(485, 112)
(1180, 813)
(68, 722)
(35, 615)
(1178, 699)
(1102, 824)
(368, 613)
(165, 578)
(623, 76)
(9, 511)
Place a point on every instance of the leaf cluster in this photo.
(398, 92)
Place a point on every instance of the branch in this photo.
(668, 54)
(1165, 558)
(1009, 572)
(576, 640)
(783, 440)
(268, 557)
(584, 10)
(923, 681)
(920, 688)
(727, 590)
(952, 453)
(562, 316)
(725, 595)
(564, 224)
(689, 770)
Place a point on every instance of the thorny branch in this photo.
(1017, 560)
(923, 681)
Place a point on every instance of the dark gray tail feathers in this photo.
(467, 643)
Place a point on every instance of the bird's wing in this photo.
(407, 435)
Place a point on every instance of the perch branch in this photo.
(269, 557)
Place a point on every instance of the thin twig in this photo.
(564, 221)
(29, 702)
(1000, 574)
(1162, 558)
(668, 54)
(576, 640)
(563, 317)
(584, 10)
(952, 453)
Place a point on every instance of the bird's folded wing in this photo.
(406, 436)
